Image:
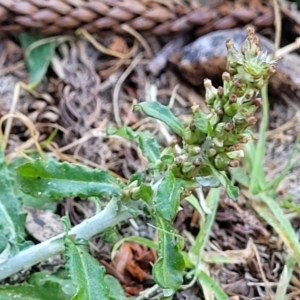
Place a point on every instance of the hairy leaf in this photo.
(86, 274)
(162, 113)
(168, 269)
(167, 198)
(57, 180)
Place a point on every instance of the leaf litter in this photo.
(76, 97)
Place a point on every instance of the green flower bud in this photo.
(231, 109)
(251, 120)
(234, 58)
(250, 45)
(210, 153)
(195, 137)
(259, 84)
(220, 91)
(226, 77)
(232, 98)
(257, 102)
(178, 160)
(210, 92)
(204, 170)
(228, 126)
(132, 184)
(197, 162)
(234, 164)
(135, 194)
(193, 150)
(221, 161)
(235, 154)
(239, 87)
(187, 167)
(220, 111)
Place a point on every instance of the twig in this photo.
(118, 88)
(109, 217)
(278, 28)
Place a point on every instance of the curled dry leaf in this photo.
(132, 266)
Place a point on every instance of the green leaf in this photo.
(208, 181)
(39, 57)
(168, 269)
(207, 222)
(149, 146)
(202, 123)
(147, 143)
(258, 180)
(162, 113)
(269, 209)
(57, 180)
(146, 193)
(42, 203)
(231, 190)
(212, 286)
(239, 175)
(86, 274)
(285, 279)
(49, 290)
(167, 198)
(41, 278)
(12, 219)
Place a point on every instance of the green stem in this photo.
(110, 216)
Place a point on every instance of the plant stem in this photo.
(110, 216)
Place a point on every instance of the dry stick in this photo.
(139, 37)
(117, 89)
(8, 126)
(278, 27)
(28, 123)
(105, 50)
(289, 48)
(110, 216)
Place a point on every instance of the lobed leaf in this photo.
(162, 113)
(57, 180)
